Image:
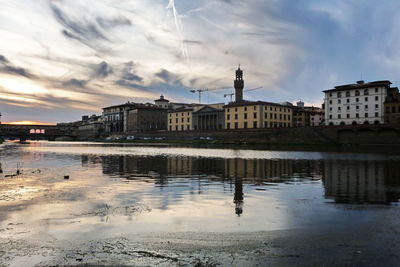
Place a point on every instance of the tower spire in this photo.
(239, 85)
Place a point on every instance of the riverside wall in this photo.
(359, 134)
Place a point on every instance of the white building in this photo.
(359, 103)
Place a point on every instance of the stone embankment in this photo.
(323, 135)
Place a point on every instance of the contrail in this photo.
(179, 28)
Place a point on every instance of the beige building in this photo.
(259, 114)
(180, 119)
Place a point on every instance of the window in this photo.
(176, 127)
(181, 119)
(366, 92)
(182, 127)
(330, 116)
(236, 125)
(330, 94)
(245, 108)
(339, 94)
(357, 115)
(255, 107)
(270, 116)
(266, 115)
(376, 114)
(280, 116)
(366, 115)
(347, 93)
(366, 106)
(357, 93)
(275, 117)
(245, 125)
(188, 127)
(228, 125)
(176, 120)
(236, 116)
(288, 117)
(188, 119)
(255, 115)
(188, 114)
(330, 109)
(235, 109)
(228, 117)
(376, 98)
(357, 107)
(357, 99)
(284, 116)
(376, 90)
(255, 124)
(245, 116)
(348, 116)
(330, 101)
(170, 120)
(366, 99)
(376, 106)
(339, 108)
(339, 116)
(348, 100)
(348, 108)
(339, 101)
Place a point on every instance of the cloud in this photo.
(7, 67)
(103, 70)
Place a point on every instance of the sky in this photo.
(61, 59)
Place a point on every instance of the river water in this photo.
(116, 191)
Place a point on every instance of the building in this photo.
(209, 117)
(162, 102)
(257, 114)
(392, 106)
(180, 119)
(359, 103)
(317, 116)
(146, 118)
(90, 127)
(114, 117)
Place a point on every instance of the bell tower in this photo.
(239, 85)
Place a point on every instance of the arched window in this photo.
(342, 123)
(42, 131)
(357, 93)
(354, 123)
(32, 131)
(366, 122)
(347, 93)
(37, 131)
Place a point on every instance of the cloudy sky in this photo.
(60, 59)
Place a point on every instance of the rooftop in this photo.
(253, 103)
(359, 85)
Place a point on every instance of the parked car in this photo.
(130, 137)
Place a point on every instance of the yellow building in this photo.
(180, 119)
(257, 114)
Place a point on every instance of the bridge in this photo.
(36, 132)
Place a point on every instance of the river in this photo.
(174, 205)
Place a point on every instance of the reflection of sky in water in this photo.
(121, 190)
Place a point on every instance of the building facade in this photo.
(180, 119)
(259, 114)
(392, 106)
(146, 118)
(209, 117)
(114, 117)
(359, 103)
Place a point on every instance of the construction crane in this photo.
(246, 90)
(200, 91)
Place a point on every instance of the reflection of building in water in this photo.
(362, 181)
(233, 172)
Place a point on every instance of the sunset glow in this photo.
(28, 123)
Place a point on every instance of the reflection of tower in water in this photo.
(238, 196)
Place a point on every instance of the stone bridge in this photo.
(35, 132)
